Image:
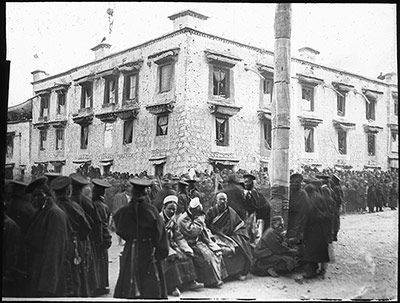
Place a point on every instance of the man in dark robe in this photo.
(47, 244)
(140, 225)
(183, 197)
(272, 254)
(14, 259)
(317, 233)
(231, 233)
(19, 207)
(298, 209)
(102, 236)
(338, 198)
(120, 199)
(192, 189)
(235, 196)
(166, 190)
(78, 183)
(79, 231)
(393, 196)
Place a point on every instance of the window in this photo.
(268, 86)
(222, 131)
(43, 139)
(307, 96)
(10, 145)
(165, 77)
(371, 144)
(342, 135)
(61, 96)
(44, 106)
(341, 104)
(130, 86)
(59, 139)
(111, 90)
(108, 135)
(128, 131)
(394, 141)
(370, 109)
(396, 107)
(159, 170)
(309, 139)
(87, 95)
(162, 125)
(84, 136)
(267, 133)
(58, 169)
(220, 82)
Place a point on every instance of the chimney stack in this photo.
(308, 53)
(188, 18)
(101, 50)
(39, 75)
(391, 78)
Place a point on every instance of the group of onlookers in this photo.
(178, 233)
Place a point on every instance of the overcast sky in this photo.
(359, 38)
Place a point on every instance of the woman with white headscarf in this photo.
(207, 259)
(178, 266)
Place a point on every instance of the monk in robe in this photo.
(232, 236)
(273, 254)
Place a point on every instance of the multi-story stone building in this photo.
(190, 99)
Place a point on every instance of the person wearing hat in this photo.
(393, 196)
(166, 190)
(175, 181)
(235, 195)
(140, 225)
(338, 198)
(47, 243)
(299, 206)
(120, 199)
(18, 204)
(51, 176)
(78, 183)
(230, 230)
(178, 266)
(256, 202)
(14, 256)
(207, 257)
(101, 234)
(317, 234)
(272, 254)
(78, 234)
(183, 197)
(192, 189)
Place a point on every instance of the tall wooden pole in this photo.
(281, 113)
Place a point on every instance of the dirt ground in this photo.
(365, 268)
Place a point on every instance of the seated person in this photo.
(178, 266)
(272, 254)
(207, 257)
(231, 235)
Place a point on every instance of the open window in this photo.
(87, 95)
(309, 139)
(111, 90)
(61, 101)
(130, 86)
(371, 144)
(162, 125)
(10, 145)
(42, 139)
(128, 132)
(60, 139)
(84, 136)
(44, 106)
(342, 142)
(222, 131)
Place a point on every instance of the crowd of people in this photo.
(178, 233)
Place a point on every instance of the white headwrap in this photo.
(195, 202)
(170, 198)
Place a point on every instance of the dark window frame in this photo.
(61, 98)
(10, 145)
(371, 144)
(86, 87)
(42, 139)
(159, 129)
(267, 127)
(127, 86)
(216, 89)
(107, 96)
(341, 104)
(222, 131)
(305, 87)
(159, 169)
(370, 110)
(125, 134)
(44, 104)
(84, 142)
(62, 132)
(342, 142)
(162, 89)
(309, 143)
(396, 107)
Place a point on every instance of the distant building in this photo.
(19, 128)
(190, 99)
